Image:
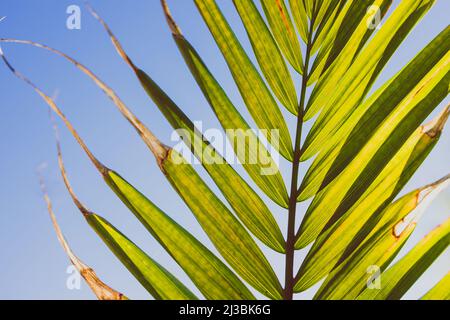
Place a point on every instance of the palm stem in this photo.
(290, 242)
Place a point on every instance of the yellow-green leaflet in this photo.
(245, 201)
(158, 281)
(345, 144)
(268, 55)
(374, 255)
(309, 7)
(325, 7)
(339, 46)
(257, 97)
(211, 276)
(226, 233)
(283, 30)
(347, 187)
(342, 39)
(441, 291)
(325, 28)
(251, 153)
(403, 274)
(300, 17)
(353, 83)
(341, 235)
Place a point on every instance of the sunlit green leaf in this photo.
(398, 92)
(258, 163)
(399, 278)
(247, 204)
(342, 235)
(353, 78)
(324, 31)
(268, 55)
(309, 7)
(398, 221)
(348, 186)
(341, 40)
(226, 233)
(300, 17)
(260, 102)
(366, 148)
(211, 276)
(283, 30)
(441, 291)
(235, 189)
(250, 151)
(324, 10)
(157, 280)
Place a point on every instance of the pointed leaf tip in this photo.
(424, 197)
(440, 291)
(435, 126)
(110, 33)
(170, 21)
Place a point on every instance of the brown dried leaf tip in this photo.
(101, 290)
(424, 197)
(435, 126)
(170, 21)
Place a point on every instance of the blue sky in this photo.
(33, 265)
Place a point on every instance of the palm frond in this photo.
(364, 149)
